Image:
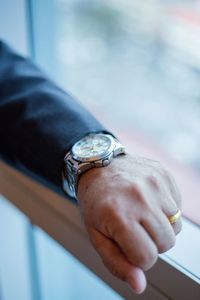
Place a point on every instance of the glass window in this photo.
(63, 277)
(136, 65)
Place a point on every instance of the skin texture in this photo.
(125, 207)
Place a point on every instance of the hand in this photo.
(125, 207)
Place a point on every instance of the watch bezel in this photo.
(95, 157)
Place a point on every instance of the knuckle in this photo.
(111, 209)
(136, 191)
(153, 181)
(147, 258)
(167, 245)
(111, 221)
(169, 176)
(108, 211)
(139, 195)
(163, 172)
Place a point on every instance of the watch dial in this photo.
(93, 145)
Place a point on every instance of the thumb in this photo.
(137, 280)
(117, 263)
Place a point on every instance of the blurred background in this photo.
(135, 65)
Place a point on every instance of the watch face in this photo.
(91, 147)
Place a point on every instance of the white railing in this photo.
(175, 275)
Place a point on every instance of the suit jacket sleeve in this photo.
(39, 122)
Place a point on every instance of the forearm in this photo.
(38, 121)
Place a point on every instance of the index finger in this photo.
(136, 244)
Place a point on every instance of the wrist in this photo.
(99, 177)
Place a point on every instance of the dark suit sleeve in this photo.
(39, 122)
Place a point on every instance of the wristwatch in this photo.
(93, 151)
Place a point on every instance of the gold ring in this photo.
(173, 219)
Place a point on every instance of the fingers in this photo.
(166, 189)
(177, 226)
(170, 208)
(161, 177)
(136, 244)
(158, 227)
(173, 200)
(168, 180)
(174, 191)
(117, 263)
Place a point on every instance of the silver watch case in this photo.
(75, 166)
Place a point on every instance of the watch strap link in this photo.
(71, 173)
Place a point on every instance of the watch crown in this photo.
(105, 162)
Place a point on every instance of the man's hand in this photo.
(125, 208)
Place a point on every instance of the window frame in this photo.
(60, 218)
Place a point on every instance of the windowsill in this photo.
(176, 274)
